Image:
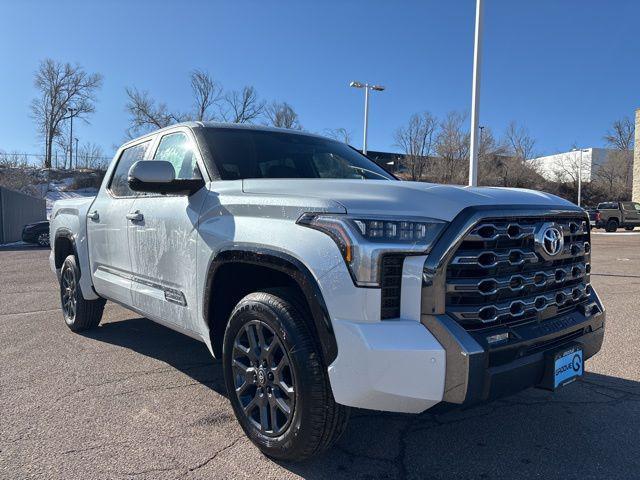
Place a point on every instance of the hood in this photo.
(400, 198)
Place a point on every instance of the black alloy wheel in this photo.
(263, 378)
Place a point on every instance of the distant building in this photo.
(563, 167)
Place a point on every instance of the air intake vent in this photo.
(391, 281)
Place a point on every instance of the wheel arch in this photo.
(279, 266)
(64, 245)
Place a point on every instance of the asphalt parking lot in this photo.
(135, 400)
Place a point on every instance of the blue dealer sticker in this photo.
(568, 366)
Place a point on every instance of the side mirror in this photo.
(158, 176)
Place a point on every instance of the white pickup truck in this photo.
(322, 282)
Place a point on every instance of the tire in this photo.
(79, 314)
(612, 225)
(43, 240)
(299, 383)
(629, 229)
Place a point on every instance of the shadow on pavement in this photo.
(152, 340)
(22, 246)
(589, 429)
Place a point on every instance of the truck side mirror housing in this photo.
(158, 176)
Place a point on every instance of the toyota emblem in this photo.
(550, 240)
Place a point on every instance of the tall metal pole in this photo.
(76, 139)
(580, 179)
(71, 113)
(475, 97)
(366, 117)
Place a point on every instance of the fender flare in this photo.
(67, 234)
(290, 266)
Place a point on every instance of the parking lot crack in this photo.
(212, 457)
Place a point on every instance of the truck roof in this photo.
(220, 125)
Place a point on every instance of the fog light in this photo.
(497, 338)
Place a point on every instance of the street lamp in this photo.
(366, 87)
(580, 174)
(475, 98)
(72, 112)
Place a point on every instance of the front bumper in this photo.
(478, 371)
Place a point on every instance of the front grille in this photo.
(498, 276)
(391, 283)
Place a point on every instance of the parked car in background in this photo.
(614, 215)
(36, 233)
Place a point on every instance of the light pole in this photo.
(367, 87)
(76, 139)
(580, 175)
(72, 113)
(475, 98)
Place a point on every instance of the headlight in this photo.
(363, 240)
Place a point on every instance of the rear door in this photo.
(631, 216)
(163, 241)
(107, 226)
(635, 207)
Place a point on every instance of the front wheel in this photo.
(79, 314)
(276, 380)
(629, 229)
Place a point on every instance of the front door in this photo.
(163, 241)
(107, 226)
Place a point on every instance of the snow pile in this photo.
(60, 190)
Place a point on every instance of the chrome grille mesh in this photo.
(498, 275)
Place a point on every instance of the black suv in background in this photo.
(36, 233)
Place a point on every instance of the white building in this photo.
(564, 167)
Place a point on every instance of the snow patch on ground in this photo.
(59, 190)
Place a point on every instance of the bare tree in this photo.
(612, 176)
(417, 140)
(620, 135)
(91, 155)
(341, 134)
(61, 86)
(206, 93)
(242, 106)
(513, 167)
(145, 114)
(282, 115)
(519, 142)
(452, 147)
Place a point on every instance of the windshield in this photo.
(244, 153)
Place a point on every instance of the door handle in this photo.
(135, 216)
(93, 215)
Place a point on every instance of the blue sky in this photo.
(565, 69)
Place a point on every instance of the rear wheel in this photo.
(276, 380)
(79, 314)
(612, 225)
